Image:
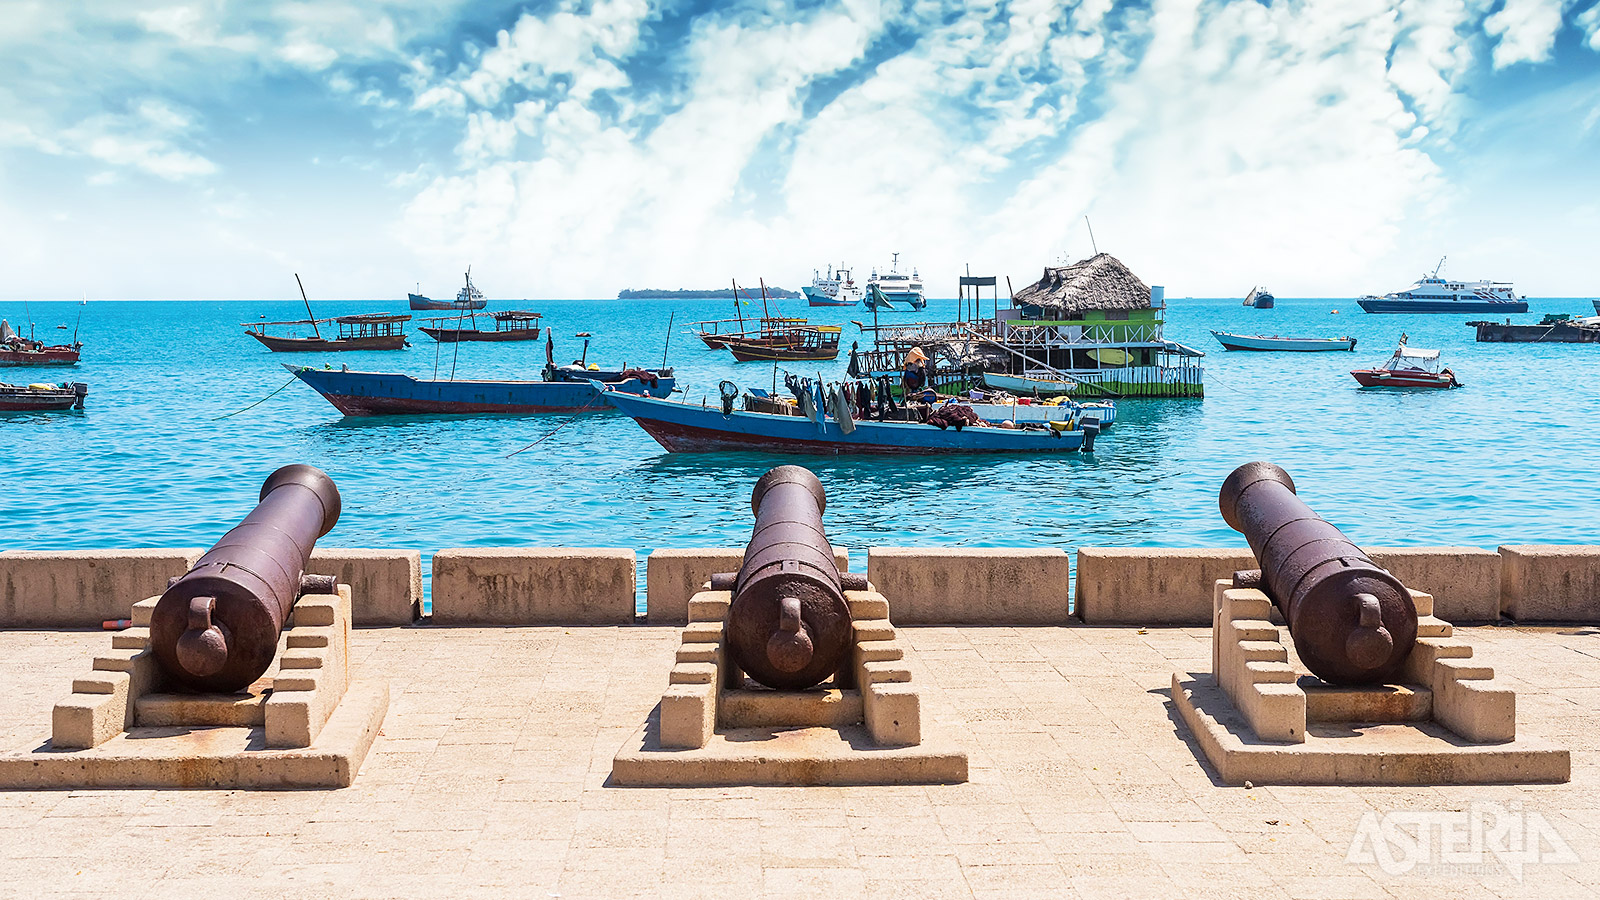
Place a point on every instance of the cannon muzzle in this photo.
(216, 628)
(789, 626)
(1351, 621)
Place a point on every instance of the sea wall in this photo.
(1550, 583)
(925, 586)
(1161, 586)
(82, 588)
(385, 585)
(533, 586)
(973, 585)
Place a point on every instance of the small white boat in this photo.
(1103, 411)
(1230, 341)
(1030, 385)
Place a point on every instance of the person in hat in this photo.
(916, 372)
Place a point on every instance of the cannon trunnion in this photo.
(216, 628)
(1352, 622)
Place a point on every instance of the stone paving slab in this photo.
(488, 780)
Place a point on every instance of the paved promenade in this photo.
(489, 780)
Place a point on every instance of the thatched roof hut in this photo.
(1100, 282)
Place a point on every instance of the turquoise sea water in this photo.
(1510, 458)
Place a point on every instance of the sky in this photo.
(1328, 148)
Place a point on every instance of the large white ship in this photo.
(837, 288)
(1433, 294)
(897, 287)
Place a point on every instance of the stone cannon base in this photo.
(1260, 718)
(302, 725)
(716, 727)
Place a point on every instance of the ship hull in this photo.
(27, 398)
(682, 428)
(1387, 378)
(1380, 305)
(393, 394)
(815, 297)
(420, 302)
(323, 345)
(1561, 333)
(454, 335)
(1282, 345)
(49, 356)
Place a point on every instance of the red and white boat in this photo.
(1409, 367)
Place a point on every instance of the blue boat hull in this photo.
(390, 393)
(1377, 305)
(683, 428)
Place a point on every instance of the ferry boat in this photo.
(469, 297)
(837, 288)
(1409, 367)
(1433, 294)
(898, 287)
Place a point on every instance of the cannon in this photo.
(216, 628)
(1351, 621)
(788, 626)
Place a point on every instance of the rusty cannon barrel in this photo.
(789, 626)
(1351, 621)
(216, 628)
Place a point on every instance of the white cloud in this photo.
(1526, 30)
(1589, 21)
(1229, 137)
(308, 55)
(154, 156)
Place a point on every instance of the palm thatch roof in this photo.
(1100, 282)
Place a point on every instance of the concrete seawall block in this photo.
(1550, 583)
(1464, 581)
(385, 585)
(1152, 585)
(672, 576)
(1168, 586)
(82, 588)
(533, 586)
(973, 585)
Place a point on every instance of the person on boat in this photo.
(916, 372)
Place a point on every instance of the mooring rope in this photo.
(292, 380)
(553, 431)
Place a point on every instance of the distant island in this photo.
(774, 293)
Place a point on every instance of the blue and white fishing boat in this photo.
(574, 388)
(692, 428)
(1231, 341)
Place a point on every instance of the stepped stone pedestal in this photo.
(303, 724)
(1259, 718)
(715, 726)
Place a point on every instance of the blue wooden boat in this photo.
(570, 389)
(689, 428)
